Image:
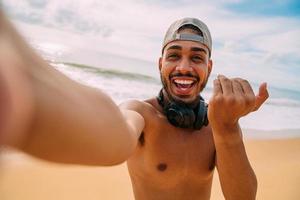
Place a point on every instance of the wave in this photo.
(280, 93)
(109, 72)
(278, 96)
(283, 102)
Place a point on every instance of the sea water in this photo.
(280, 111)
(125, 78)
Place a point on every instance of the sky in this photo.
(257, 40)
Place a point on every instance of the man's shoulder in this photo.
(139, 106)
(133, 104)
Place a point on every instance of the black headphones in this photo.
(182, 115)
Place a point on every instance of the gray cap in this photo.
(172, 33)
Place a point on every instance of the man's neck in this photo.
(166, 98)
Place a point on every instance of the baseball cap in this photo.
(172, 33)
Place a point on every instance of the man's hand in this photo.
(232, 99)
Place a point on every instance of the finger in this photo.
(262, 96)
(225, 84)
(237, 87)
(217, 87)
(248, 91)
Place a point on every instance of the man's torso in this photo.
(169, 162)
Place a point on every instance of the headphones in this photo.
(182, 115)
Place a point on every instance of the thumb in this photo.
(261, 97)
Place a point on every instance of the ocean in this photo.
(125, 78)
(280, 111)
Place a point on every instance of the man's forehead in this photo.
(183, 44)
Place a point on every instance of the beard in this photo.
(192, 103)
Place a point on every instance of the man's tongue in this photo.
(183, 87)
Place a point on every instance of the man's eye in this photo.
(197, 59)
(173, 56)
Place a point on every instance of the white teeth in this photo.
(183, 82)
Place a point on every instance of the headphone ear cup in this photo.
(180, 116)
(201, 116)
(189, 118)
(174, 115)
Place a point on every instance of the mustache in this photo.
(188, 74)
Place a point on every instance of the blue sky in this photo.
(269, 8)
(256, 40)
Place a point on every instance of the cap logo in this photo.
(192, 37)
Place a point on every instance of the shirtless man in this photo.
(48, 115)
(177, 151)
(173, 150)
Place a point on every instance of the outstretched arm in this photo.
(232, 99)
(48, 115)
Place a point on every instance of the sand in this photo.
(276, 163)
(277, 167)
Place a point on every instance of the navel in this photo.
(162, 167)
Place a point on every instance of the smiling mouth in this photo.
(184, 84)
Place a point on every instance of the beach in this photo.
(119, 55)
(272, 140)
(275, 161)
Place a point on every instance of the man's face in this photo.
(184, 68)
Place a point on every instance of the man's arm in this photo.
(232, 99)
(48, 115)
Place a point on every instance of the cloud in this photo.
(245, 43)
(38, 3)
(67, 15)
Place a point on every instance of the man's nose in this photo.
(184, 66)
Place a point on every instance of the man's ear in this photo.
(159, 63)
(210, 65)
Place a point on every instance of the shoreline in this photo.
(258, 134)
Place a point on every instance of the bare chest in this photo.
(169, 157)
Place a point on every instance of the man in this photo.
(178, 148)
(46, 114)
(173, 150)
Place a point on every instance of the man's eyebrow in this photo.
(198, 49)
(174, 47)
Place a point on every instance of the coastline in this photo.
(257, 134)
(275, 161)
